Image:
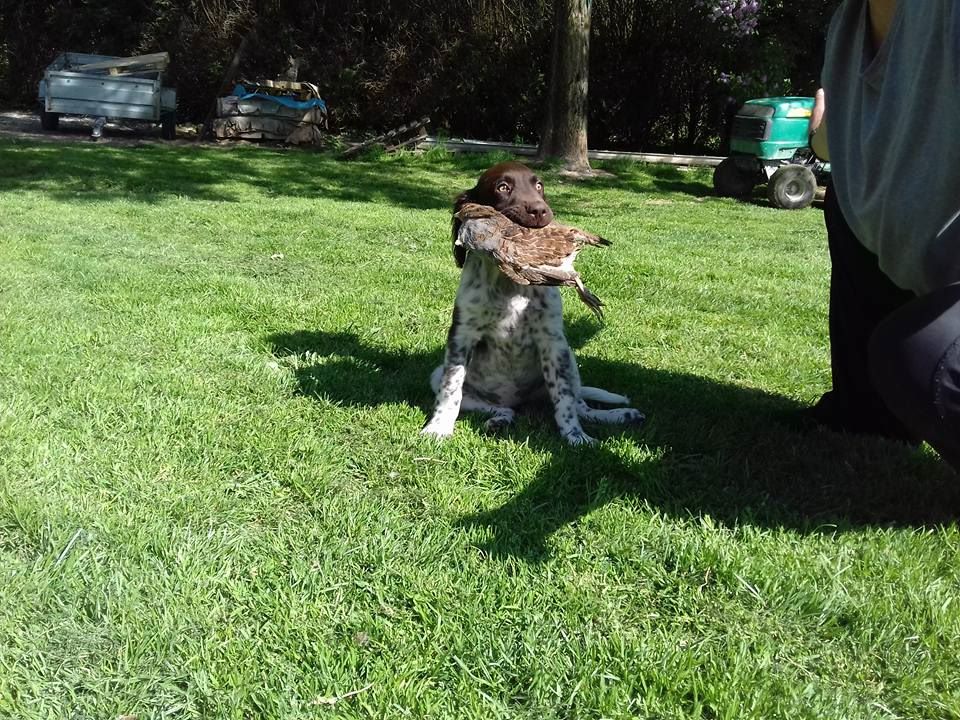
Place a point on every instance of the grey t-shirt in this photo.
(894, 137)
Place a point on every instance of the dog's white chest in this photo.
(514, 311)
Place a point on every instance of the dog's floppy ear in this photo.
(460, 252)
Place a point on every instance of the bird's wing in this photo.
(582, 237)
(539, 247)
(544, 274)
(476, 227)
(486, 234)
(527, 256)
(475, 211)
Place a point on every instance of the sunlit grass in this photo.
(214, 502)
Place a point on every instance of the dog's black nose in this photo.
(540, 214)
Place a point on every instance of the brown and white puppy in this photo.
(506, 345)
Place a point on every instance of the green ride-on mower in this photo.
(769, 144)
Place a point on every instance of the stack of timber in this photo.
(292, 112)
(138, 65)
(409, 134)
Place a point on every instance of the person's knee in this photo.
(946, 387)
(911, 352)
(914, 364)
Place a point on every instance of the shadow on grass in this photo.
(154, 172)
(715, 449)
(655, 178)
(695, 182)
(669, 179)
(79, 171)
(150, 172)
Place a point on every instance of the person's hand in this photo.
(819, 105)
(818, 127)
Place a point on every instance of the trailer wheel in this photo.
(729, 180)
(49, 120)
(792, 187)
(168, 126)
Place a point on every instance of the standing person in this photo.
(891, 81)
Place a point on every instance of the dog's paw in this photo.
(436, 431)
(578, 437)
(499, 422)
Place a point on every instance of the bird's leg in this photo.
(591, 300)
(561, 276)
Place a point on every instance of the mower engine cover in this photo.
(771, 128)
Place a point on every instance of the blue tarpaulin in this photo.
(241, 92)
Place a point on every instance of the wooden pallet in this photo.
(406, 135)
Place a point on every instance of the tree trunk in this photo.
(564, 129)
(228, 77)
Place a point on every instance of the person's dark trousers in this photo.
(915, 364)
(895, 357)
(861, 296)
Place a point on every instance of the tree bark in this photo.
(564, 129)
(228, 76)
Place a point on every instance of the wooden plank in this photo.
(161, 59)
(417, 126)
(136, 73)
(412, 142)
(484, 146)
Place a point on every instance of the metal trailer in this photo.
(105, 86)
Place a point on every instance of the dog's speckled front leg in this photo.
(450, 392)
(447, 407)
(563, 384)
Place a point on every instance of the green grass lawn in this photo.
(214, 501)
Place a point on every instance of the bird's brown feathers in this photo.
(527, 256)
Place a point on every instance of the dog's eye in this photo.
(539, 186)
(503, 187)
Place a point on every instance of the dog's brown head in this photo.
(514, 190)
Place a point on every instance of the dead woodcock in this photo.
(528, 256)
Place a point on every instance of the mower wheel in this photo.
(729, 180)
(792, 187)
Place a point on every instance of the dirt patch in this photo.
(586, 174)
(22, 125)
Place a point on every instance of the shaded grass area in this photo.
(214, 501)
